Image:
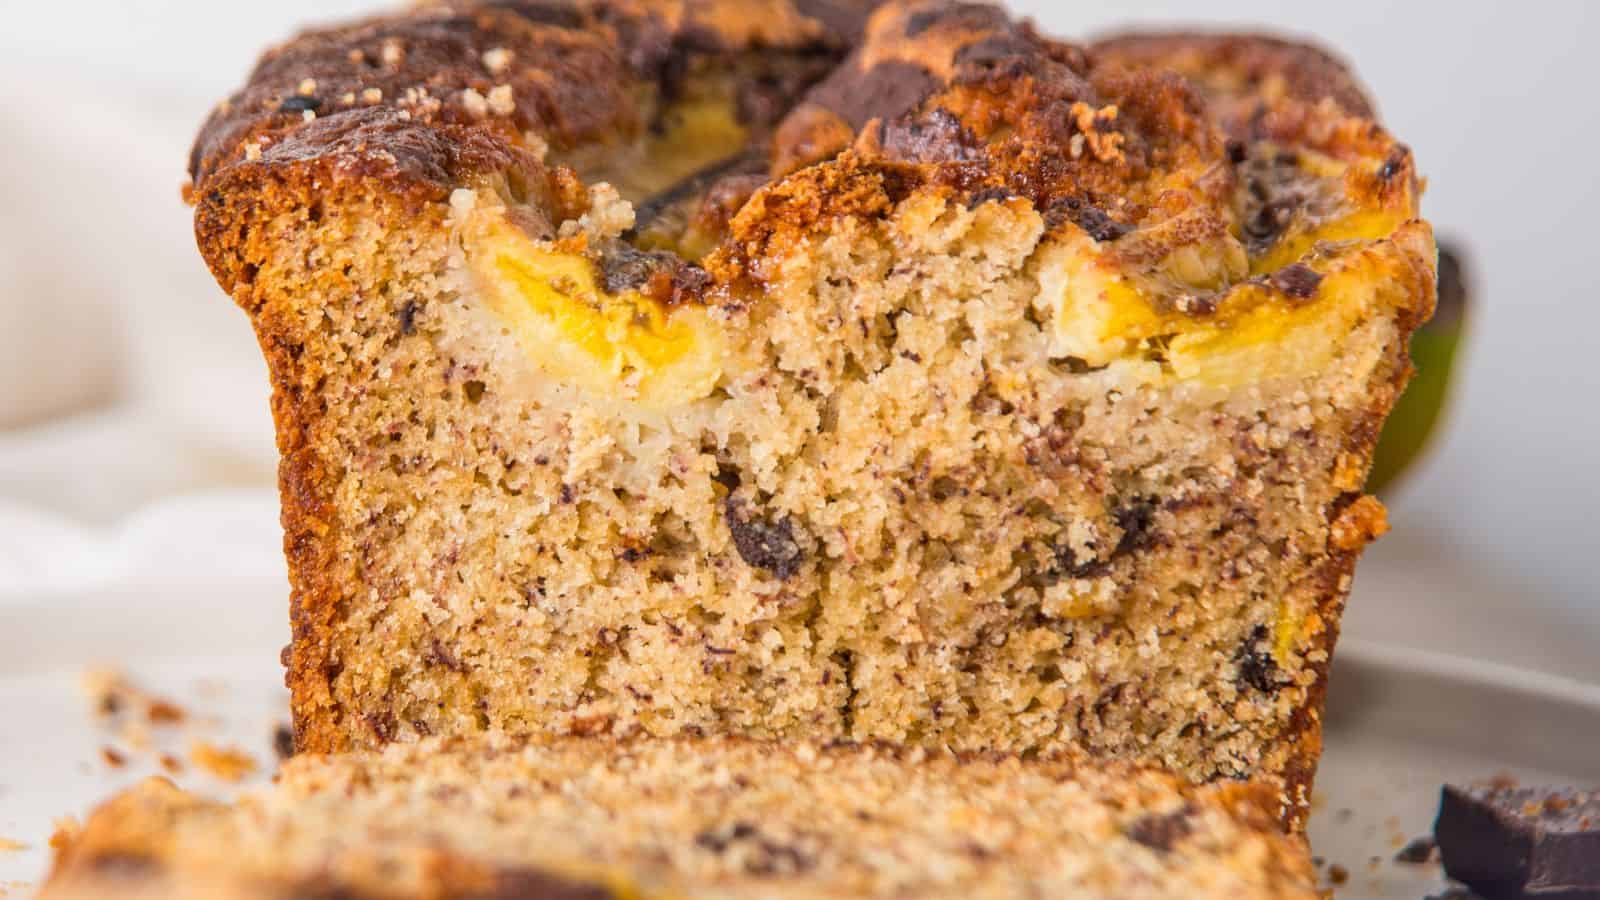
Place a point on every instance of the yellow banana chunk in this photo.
(625, 346)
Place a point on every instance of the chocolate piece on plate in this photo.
(1521, 842)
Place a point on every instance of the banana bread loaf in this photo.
(594, 818)
(769, 369)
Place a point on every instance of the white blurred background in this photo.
(134, 434)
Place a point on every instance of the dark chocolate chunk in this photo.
(936, 137)
(986, 195)
(1135, 519)
(1299, 281)
(727, 476)
(283, 741)
(973, 16)
(1511, 842)
(1417, 851)
(625, 268)
(762, 855)
(764, 542)
(995, 55)
(1099, 226)
(408, 317)
(1257, 668)
(300, 103)
(844, 19)
(887, 91)
(1067, 565)
(1162, 832)
(1269, 221)
(534, 884)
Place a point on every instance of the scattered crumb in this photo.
(1338, 874)
(104, 690)
(7, 845)
(1318, 861)
(113, 757)
(135, 733)
(283, 741)
(161, 712)
(1504, 781)
(1418, 851)
(372, 95)
(1343, 815)
(171, 764)
(226, 763)
(66, 830)
(111, 693)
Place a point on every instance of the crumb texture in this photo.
(581, 818)
(958, 387)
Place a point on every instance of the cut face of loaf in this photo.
(1001, 394)
(590, 819)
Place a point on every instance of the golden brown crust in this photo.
(1143, 144)
(568, 72)
(1335, 576)
(1151, 137)
(950, 94)
(1241, 71)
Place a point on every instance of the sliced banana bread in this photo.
(596, 818)
(993, 393)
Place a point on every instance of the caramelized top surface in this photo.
(437, 87)
(1190, 163)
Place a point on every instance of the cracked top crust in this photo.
(1147, 143)
(1242, 71)
(470, 75)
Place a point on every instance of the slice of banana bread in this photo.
(597, 818)
(999, 393)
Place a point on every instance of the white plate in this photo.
(1399, 722)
